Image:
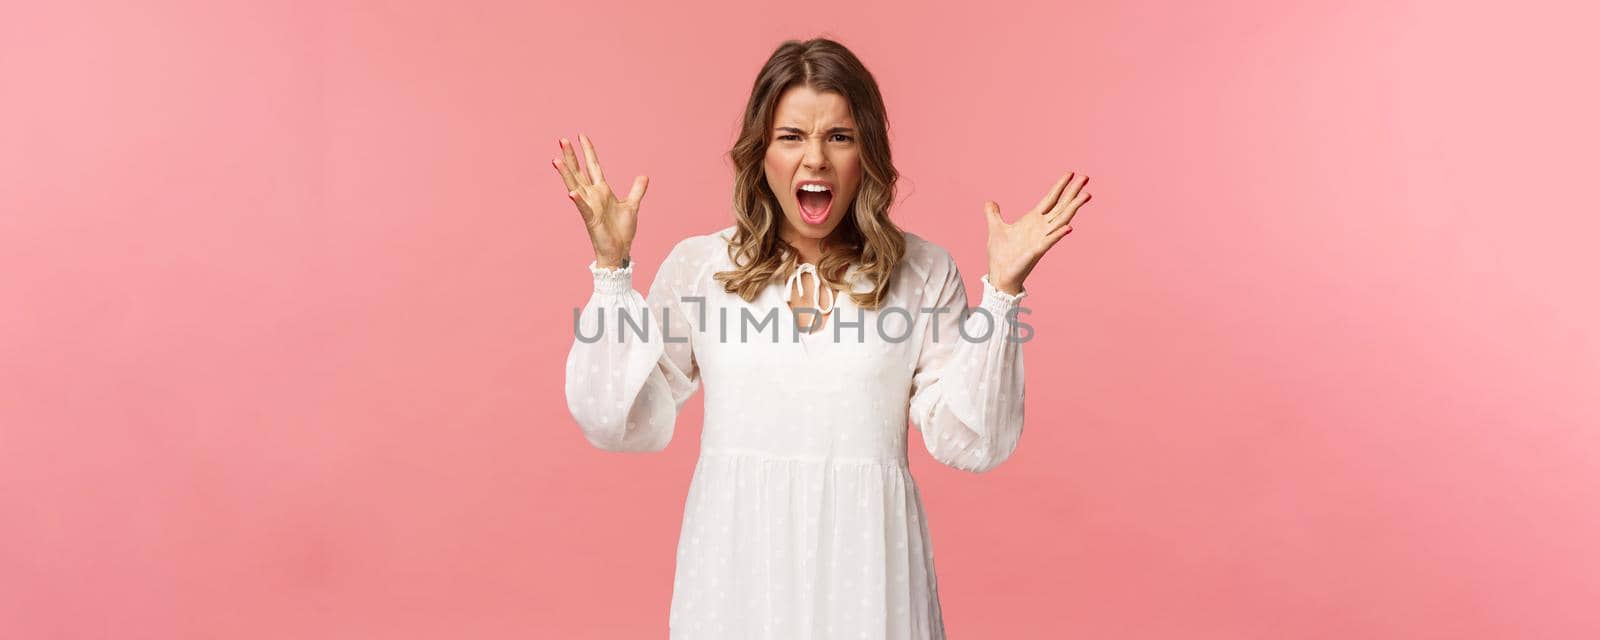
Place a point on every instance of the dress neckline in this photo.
(796, 284)
(814, 341)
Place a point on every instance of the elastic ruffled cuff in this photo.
(614, 281)
(999, 302)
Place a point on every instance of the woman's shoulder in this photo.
(923, 250)
(926, 258)
(701, 248)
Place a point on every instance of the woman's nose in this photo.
(815, 160)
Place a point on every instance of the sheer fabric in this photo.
(801, 518)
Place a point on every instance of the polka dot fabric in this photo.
(802, 520)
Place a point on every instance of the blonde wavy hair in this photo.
(865, 236)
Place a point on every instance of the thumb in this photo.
(991, 211)
(637, 192)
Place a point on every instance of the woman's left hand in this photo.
(1014, 248)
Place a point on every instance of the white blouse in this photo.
(802, 519)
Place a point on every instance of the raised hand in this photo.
(1016, 247)
(612, 223)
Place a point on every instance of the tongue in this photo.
(815, 202)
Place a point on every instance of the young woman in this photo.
(802, 520)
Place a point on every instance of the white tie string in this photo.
(789, 287)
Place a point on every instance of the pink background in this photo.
(286, 292)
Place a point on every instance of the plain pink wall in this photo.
(286, 292)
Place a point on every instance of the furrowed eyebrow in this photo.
(833, 130)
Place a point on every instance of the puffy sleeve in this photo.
(632, 365)
(967, 389)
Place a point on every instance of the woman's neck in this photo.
(809, 249)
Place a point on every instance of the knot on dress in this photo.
(794, 284)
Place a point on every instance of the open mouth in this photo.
(816, 201)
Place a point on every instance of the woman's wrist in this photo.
(997, 301)
(1007, 287)
(611, 280)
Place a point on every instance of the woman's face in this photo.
(814, 141)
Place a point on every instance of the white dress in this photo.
(802, 519)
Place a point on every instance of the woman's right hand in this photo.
(611, 222)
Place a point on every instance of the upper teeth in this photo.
(813, 187)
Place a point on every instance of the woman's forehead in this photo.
(802, 106)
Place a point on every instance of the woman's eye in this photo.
(838, 136)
